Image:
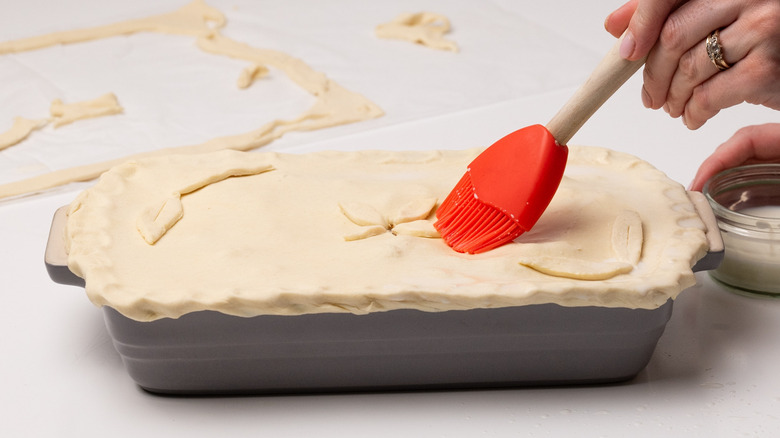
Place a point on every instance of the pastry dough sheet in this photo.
(274, 241)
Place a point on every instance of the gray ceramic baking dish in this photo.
(212, 353)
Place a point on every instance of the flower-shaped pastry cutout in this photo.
(411, 219)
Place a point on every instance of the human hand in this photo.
(679, 76)
(750, 145)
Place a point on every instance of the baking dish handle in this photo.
(714, 255)
(56, 257)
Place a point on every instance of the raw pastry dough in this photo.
(425, 28)
(571, 267)
(62, 114)
(419, 228)
(250, 74)
(362, 214)
(410, 219)
(274, 242)
(417, 209)
(627, 237)
(334, 104)
(626, 241)
(21, 128)
(156, 220)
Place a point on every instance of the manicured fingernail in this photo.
(627, 46)
(646, 101)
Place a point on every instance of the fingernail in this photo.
(666, 108)
(685, 122)
(646, 101)
(627, 46)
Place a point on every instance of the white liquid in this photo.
(752, 261)
(768, 211)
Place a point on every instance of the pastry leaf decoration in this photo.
(627, 238)
(411, 219)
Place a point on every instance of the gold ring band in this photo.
(715, 50)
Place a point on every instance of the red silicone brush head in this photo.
(471, 226)
(504, 191)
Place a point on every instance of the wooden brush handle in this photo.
(611, 73)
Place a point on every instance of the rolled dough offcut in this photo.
(334, 104)
(21, 128)
(62, 113)
(250, 74)
(425, 28)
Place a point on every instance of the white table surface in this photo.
(714, 372)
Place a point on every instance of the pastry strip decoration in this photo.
(627, 239)
(155, 220)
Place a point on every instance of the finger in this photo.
(687, 27)
(749, 145)
(695, 66)
(617, 22)
(720, 92)
(644, 27)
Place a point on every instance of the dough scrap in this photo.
(425, 28)
(334, 104)
(250, 74)
(63, 114)
(21, 128)
(194, 19)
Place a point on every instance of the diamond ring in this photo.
(715, 50)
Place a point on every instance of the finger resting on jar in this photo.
(749, 145)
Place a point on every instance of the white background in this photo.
(714, 372)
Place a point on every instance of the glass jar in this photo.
(746, 202)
